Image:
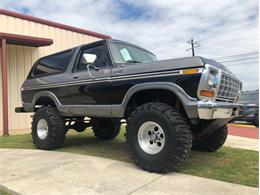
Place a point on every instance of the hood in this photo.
(174, 64)
(166, 65)
(187, 62)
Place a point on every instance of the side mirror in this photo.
(89, 58)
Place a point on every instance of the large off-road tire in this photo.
(212, 142)
(106, 128)
(48, 128)
(159, 138)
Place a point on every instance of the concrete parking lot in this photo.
(42, 172)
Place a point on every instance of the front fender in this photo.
(188, 102)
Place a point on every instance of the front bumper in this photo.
(218, 110)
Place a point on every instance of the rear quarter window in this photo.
(53, 64)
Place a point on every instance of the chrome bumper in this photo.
(217, 110)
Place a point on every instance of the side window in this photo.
(53, 64)
(101, 61)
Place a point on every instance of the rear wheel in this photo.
(48, 128)
(212, 142)
(159, 138)
(106, 128)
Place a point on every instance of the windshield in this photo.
(123, 53)
(249, 97)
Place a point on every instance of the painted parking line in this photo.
(243, 125)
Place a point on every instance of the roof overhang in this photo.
(54, 24)
(16, 39)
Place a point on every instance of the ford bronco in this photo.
(169, 106)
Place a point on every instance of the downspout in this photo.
(4, 88)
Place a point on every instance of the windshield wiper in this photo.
(133, 61)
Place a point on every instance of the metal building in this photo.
(23, 40)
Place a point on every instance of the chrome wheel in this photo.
(151, 137)
(42, 129)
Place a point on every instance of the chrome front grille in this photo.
(229, 88)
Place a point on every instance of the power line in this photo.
(246, 23)
(232, 28)
(226, 31)
(240, 43)
(217, 49)
(229, 65)
(237, 55)
(240, 59)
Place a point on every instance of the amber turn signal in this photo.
(207, 93)
(190, 71)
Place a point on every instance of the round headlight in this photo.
(212, 79)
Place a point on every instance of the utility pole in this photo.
(193, 46)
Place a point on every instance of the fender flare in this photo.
(189, 103)
(46, 94)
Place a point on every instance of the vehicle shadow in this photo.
(87, 144)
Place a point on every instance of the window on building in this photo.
(53, 64)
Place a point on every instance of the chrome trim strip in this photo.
(106, 79)
(65, 84)
(147, 74)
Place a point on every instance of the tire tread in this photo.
(183, 136)
(56, 134)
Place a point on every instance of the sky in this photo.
(225, 30)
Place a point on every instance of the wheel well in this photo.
(44, 101)
(153, 95)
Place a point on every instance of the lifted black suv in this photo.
(169, 106)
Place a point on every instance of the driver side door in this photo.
(89, 84)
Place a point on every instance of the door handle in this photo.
(75, 77)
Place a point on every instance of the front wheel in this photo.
(159, 138)
(212, 142)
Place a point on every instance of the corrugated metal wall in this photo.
(21, 58)
(62, 38)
